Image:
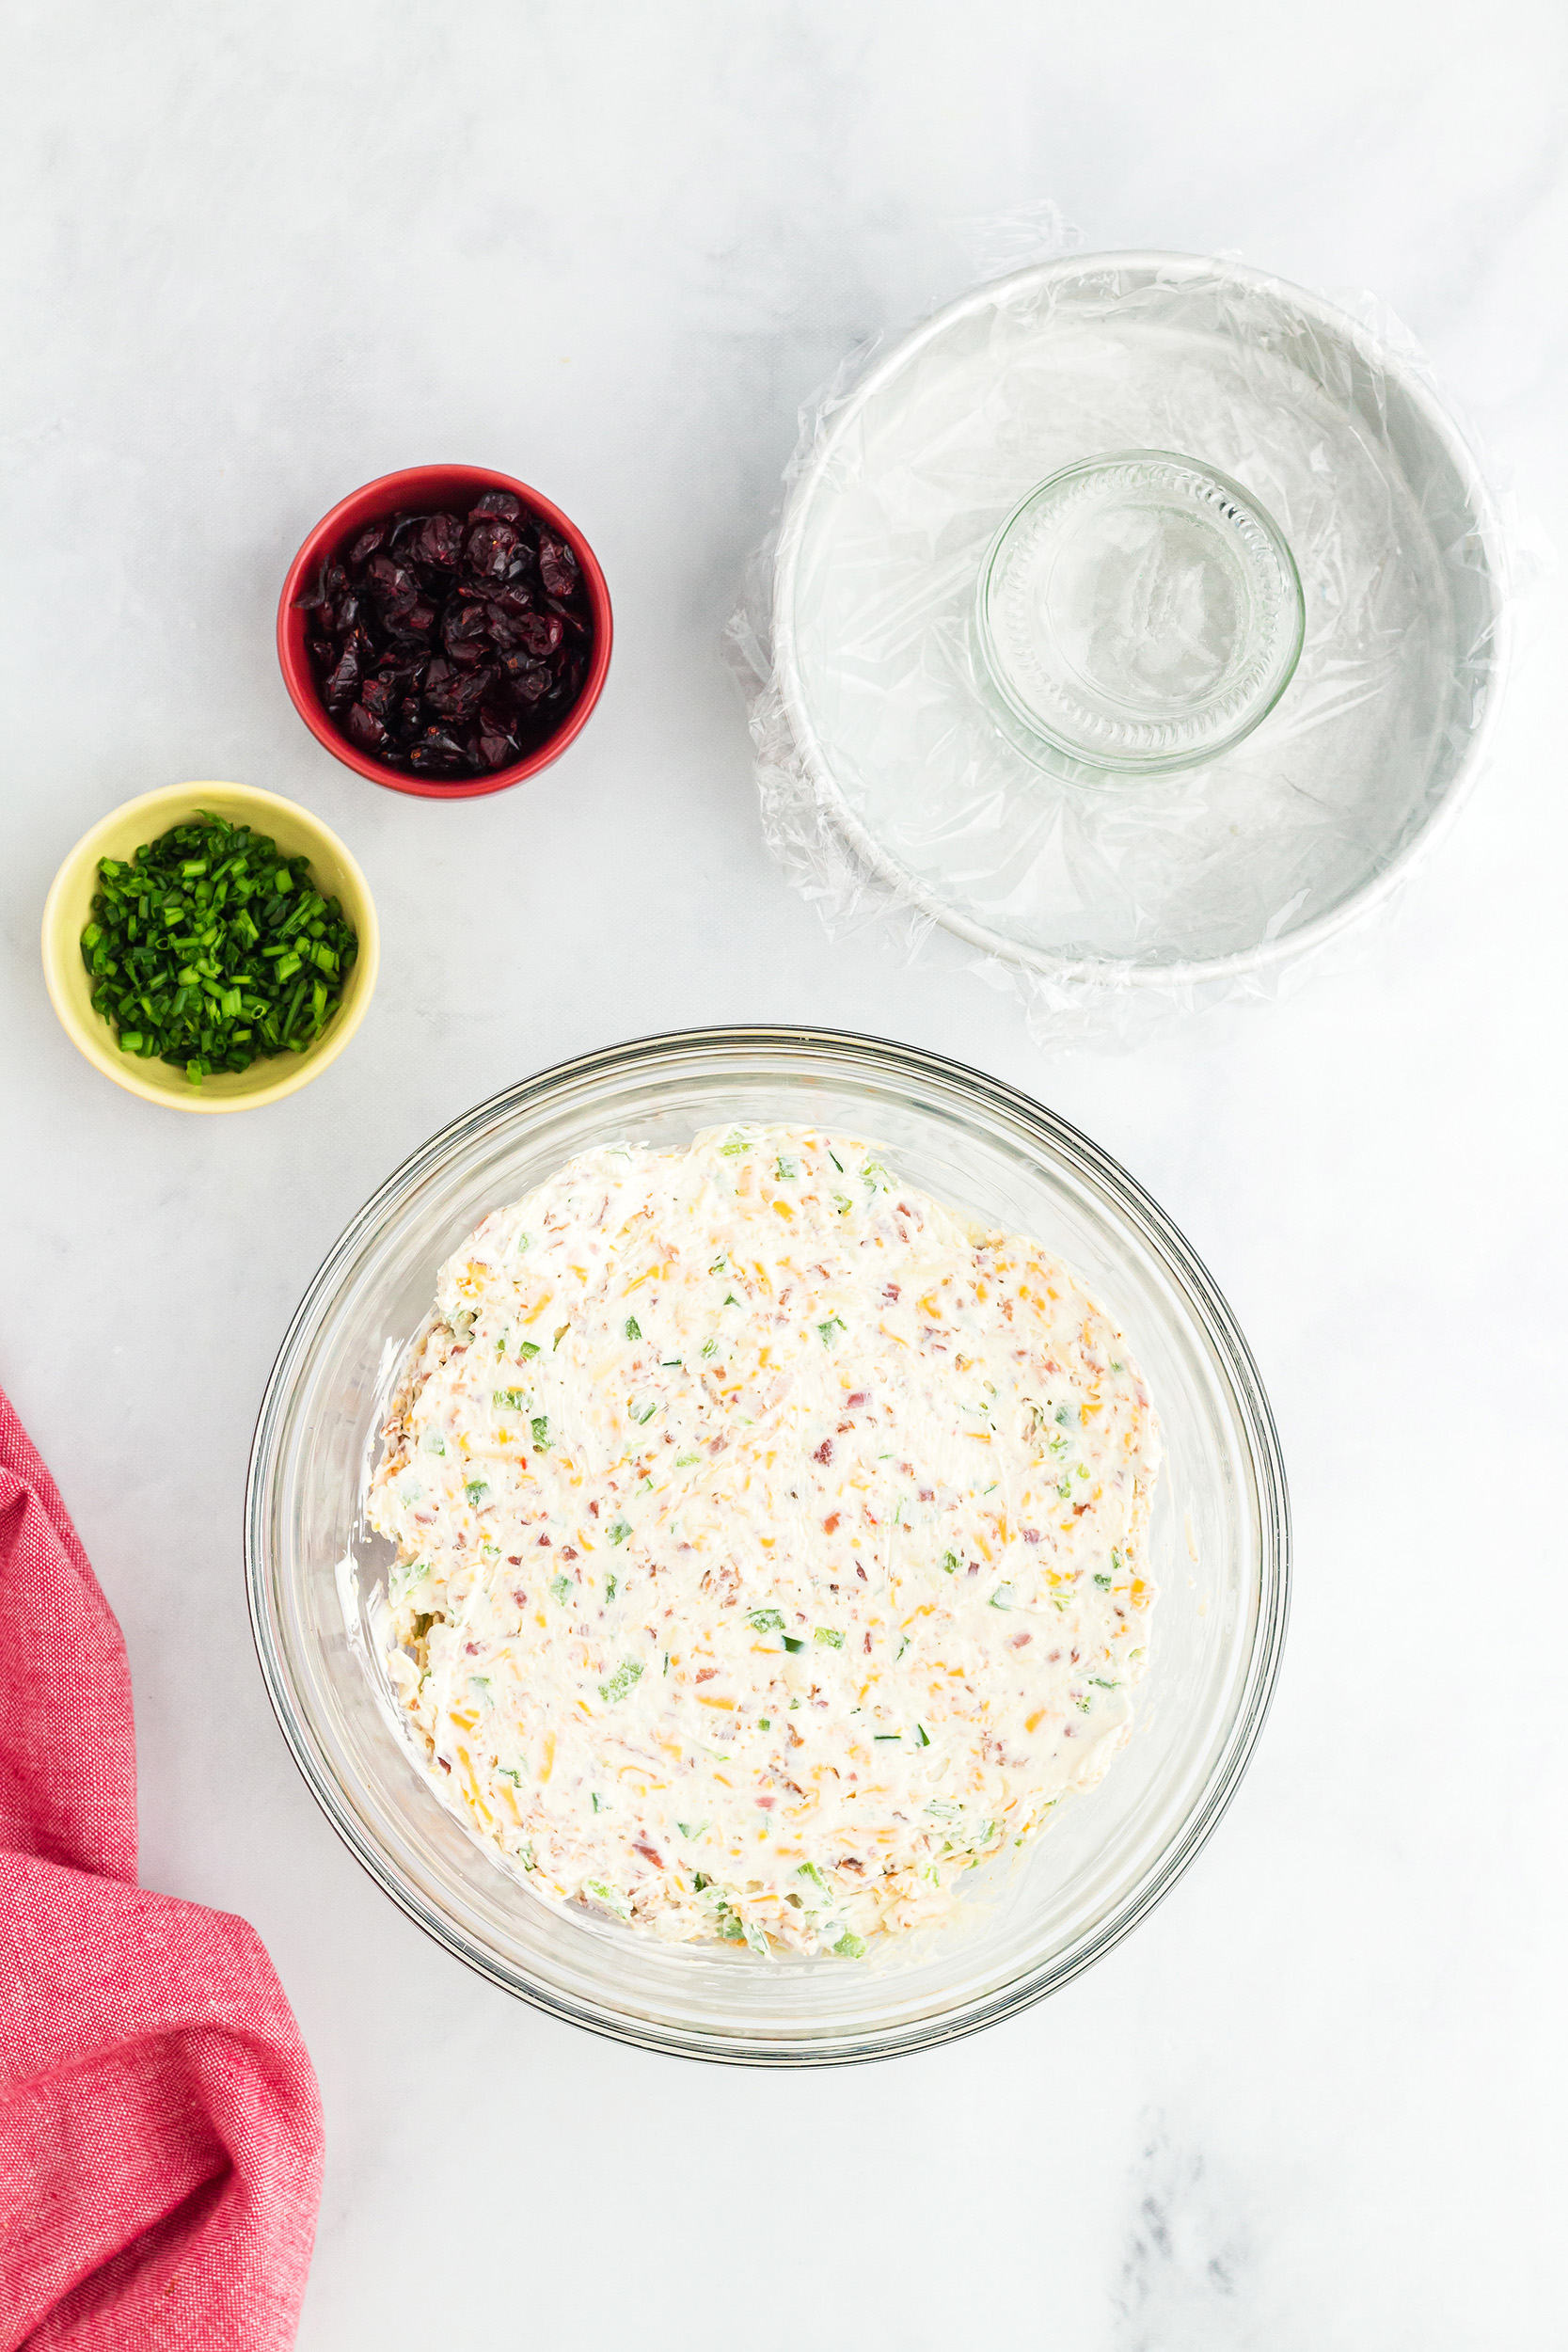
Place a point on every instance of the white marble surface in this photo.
(256, 256)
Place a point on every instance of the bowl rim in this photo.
(1220, 1329)
(360, 506)
(168, 801)
(1120, 972)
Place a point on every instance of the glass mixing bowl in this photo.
(1219, 1544)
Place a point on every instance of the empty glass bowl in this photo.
(1219, 1546)
(1135, 613)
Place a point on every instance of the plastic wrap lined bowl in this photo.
(1219, 1544)
(1189, 851)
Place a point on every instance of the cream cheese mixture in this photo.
(770, 1541)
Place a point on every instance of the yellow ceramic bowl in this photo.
(68, 911)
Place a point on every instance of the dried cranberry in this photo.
(435, 749)
(488, 552)
(458, 696)
(439, 542)
(576, 622)
(463, 632)
(541, 633)
(366, 546)
(558, 567)
(366, 728)
(500, 503)
(532, 679)
(343, 683)
(392, 584)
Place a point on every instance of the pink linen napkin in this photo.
(160, 2126)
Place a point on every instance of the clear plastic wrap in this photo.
(1109, 903)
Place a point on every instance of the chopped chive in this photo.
(628, 1672)
(922, 1735)
(540, 1425)
(828, 1635)
(849, 1947)
(561, 1586)
(790, 1642)
(764, 1620)
(212, 997)
(618, 1533)
(633, 1329)
(528, 1348)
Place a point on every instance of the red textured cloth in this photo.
(160, 2127)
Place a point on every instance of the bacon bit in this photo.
(567, 1552)
(657, 1859)
(768, 1803)
(1029, 1534)
(1019, 1641)
(891, 1293)
(824, 1452)
(1032, 1722)
(830, 1524)
(928, 1494)
(705, 1674)
(442, 1761)
(869, 1645)
(795, 1739)
(514, 1558)
(861, 1573)
(861, 1396)
(593, 1510)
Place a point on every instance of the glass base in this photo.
(1136, 612)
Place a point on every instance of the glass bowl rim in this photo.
(1264, 1456)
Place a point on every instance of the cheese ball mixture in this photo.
(770, 1542)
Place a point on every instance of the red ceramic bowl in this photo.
(426, 488)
